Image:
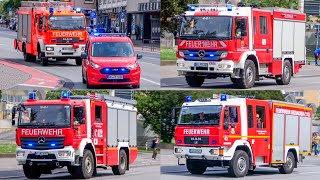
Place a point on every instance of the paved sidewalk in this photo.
(145, 159)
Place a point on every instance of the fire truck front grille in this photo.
(39, 144)
(196, 140)
(49, 156)
(67, 40)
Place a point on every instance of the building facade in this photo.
(312, 7)
(144, 19)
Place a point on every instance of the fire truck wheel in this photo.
(288, 167)
(285, 78)
(196, 167)
(195, 81)
(79, 61)
(72, 170)
(44, 61)
(249, 75)
(123, 163)
(239, 164)
(252, 171)
(86, 170)
(28, 57)
(31, 172)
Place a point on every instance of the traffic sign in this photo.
(122, 15)
(10, 11)
(93, 14)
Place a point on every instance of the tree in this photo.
(14, 4)
(148, 105)
(170, 99)
(317, 115)
(57, 94)
(274, 3)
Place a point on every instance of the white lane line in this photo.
(36, 86)
(149, 63)
(150, 81)
(309, 173)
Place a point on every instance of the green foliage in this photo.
(170, 99)
(317, 115)
(274, 3)
(14, 4)
(148, 105)
(57, 94)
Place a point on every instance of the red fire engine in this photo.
(82, 133)
(243, 43)
(50, 30)
(241, 134)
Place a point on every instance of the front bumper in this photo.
(186, 152)
(96, 78)
(31, 155)
(214, 67)
(63, 51)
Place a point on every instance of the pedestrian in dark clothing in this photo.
(137, 33)
(154, 146)
(7, 23)
(316, 55)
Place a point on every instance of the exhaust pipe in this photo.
(57, 163)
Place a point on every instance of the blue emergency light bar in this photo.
(188, 98)
(78, 9)
(109, 34)
(65, 95)
(223, 97)
(32, 95)
(192, 8)
(229, 8)
(51, 9)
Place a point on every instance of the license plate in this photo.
(67, 48)
(197, 151)
(115, 77)
(201, 64)
(42, 153)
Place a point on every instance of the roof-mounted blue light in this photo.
(78, 9)
(188, 98)
(51, 9)
(223, 97)
(229, 8)
(32, 95)
(192, 8)
(65, 95)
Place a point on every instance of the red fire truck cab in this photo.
(81, 133)
(243, 43)
(241, 134)
(50, 30)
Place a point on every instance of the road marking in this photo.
(316, 172)
(149, 63)
(4, 45)
(36, 86)
(150, 81)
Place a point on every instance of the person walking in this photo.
(316, 55)
(154, 146)
(316, 142)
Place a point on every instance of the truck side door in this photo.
(232, 119)
(259, 130)
(98, 129)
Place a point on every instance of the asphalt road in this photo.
(71, 74)
(309, 169)
(307, 79)
(10, 170)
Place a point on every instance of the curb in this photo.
(304, 76)
(167, 63)
(7, 155)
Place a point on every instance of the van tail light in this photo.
(180, 54)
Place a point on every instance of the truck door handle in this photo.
(266, 139)
(267, 50)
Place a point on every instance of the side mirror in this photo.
(88, 29)
(84, 56)
(139, 56)
(226, 118)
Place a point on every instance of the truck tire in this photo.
(196, 167)
(26, 56)
(123, 163)
(43, 60)
(239, 164)
(194, 81)
(288, 167)
(252, 171)
(249, 75)
(72, 170)
(31, 172)
(85, 171)
(78, 61)
(285, 78)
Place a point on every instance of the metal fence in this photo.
(148, 44)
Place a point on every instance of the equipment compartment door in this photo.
(262, 36)
(259, 130)
(98, 129)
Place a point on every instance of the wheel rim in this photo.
(242, 164)
(249, 73)
(88, 164)
(122, 162)
(289, 162)
(286, 72)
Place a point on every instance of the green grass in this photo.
(7, 148)
(168, 54)
(141, 149)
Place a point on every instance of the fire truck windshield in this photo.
(45, 116)
(200, 115)
(112, 49)
(66, 23)
(206, 27)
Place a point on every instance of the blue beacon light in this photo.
(192, 8)
(65, 95)
(32, 95)
(223, 97)
(51, 9)
(229, 8)
(188, 98)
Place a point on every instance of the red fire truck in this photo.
(81, 133)
(241, 134)
(50, 30)
(243, 43)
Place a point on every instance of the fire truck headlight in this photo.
(180, 64)
(20, 153)
(64, 153)
(178, 150)
(214, 151)
(49, 48)
(223, 55)
(224, 66)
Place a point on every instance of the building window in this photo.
(90, 1)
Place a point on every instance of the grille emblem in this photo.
(201, 53)
(41, 140)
